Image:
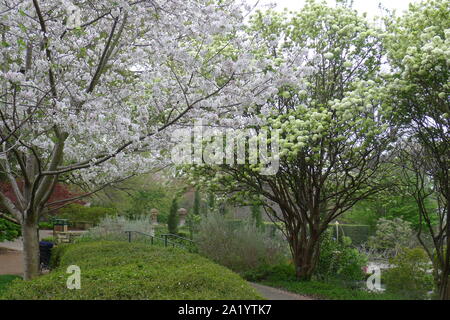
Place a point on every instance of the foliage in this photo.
(173, 219)
(114, 227)
(339, 261)
(80, 213)
(9, 230)
(241, 247)
(392, 235)
(120, 271)
(410, 275)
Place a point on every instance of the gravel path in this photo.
(276, 294)
(11, 257)
(11, 262)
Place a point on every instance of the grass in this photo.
(328, 290)
(283, 277)
(5, 280)
(120, 270)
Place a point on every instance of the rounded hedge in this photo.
(120, 270)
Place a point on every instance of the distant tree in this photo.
(172, 221)
(333, 132)
(418, 49)
(197, 203)
(211, 202)
(392, 236)
(256, 215)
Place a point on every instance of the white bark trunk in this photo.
(30, 250)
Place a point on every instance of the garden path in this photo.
(276, 294)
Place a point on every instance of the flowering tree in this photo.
(419, 53)
(332, 130)
(88, 91)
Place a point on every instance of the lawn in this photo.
(5, 280)
(328, 290)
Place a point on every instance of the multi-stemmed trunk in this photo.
(305, 260)
(305, 249)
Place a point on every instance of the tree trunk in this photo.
(444, 286)
(30, 249)
(305, 258)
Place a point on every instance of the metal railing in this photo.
(164, 239)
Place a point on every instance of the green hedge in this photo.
(120, 270)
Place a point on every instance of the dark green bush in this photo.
(120, 270)
(78, 213)
(282, 271)
(409, 275)
(8, 230)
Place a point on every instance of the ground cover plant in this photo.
(121, 270)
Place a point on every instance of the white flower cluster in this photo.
(129, 71)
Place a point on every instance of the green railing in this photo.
(165, 240)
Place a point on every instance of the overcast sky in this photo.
(369, 6)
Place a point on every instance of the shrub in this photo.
(240, 247)
(78, 213)
(392, 236)
(339, 261)
(120, 270)
(113, 228)
(282, 271)
(409, 275)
